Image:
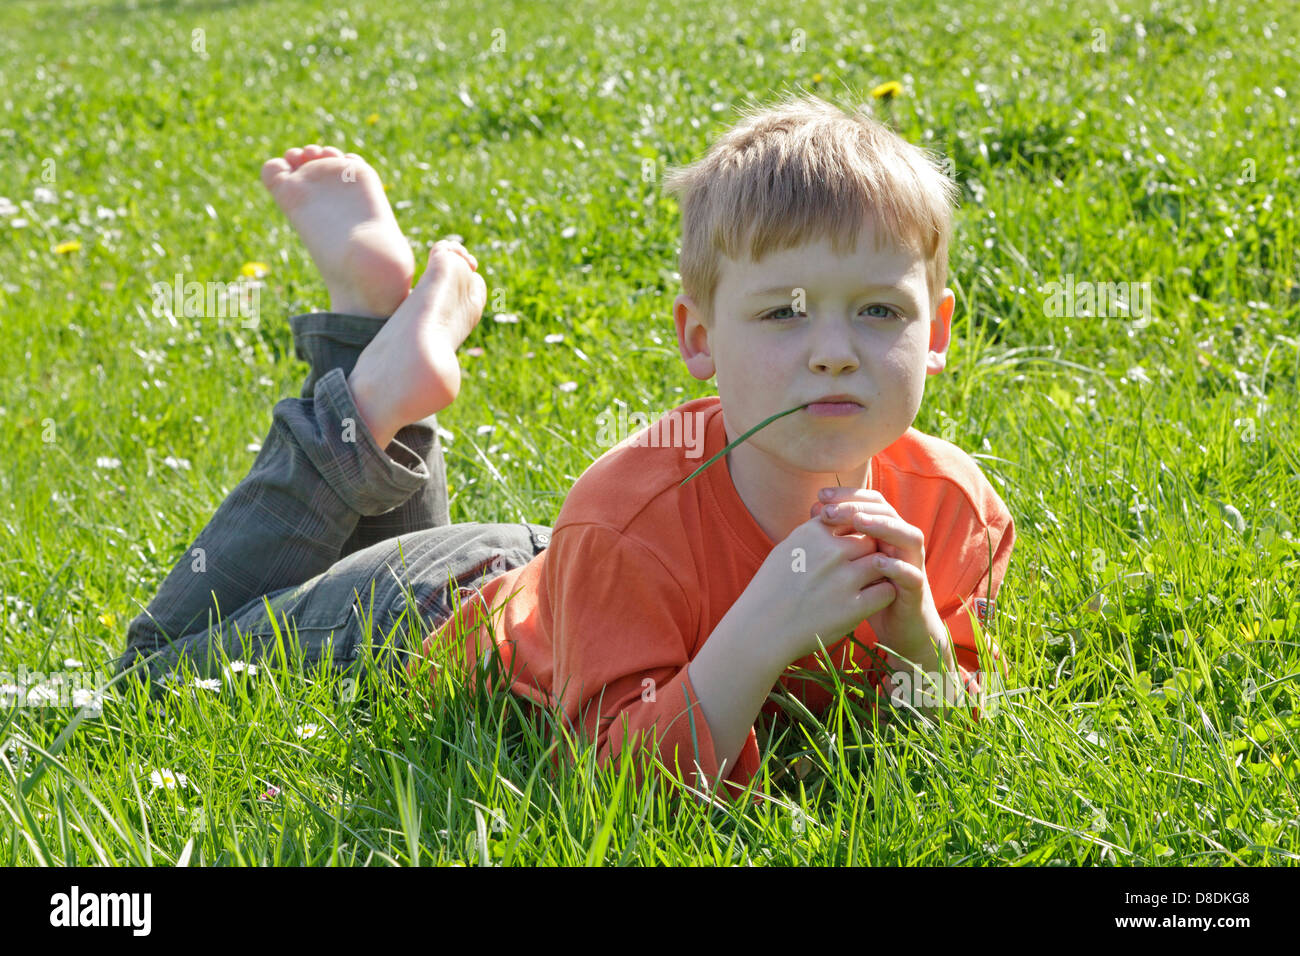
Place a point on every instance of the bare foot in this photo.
(409, 370)
(337, 205)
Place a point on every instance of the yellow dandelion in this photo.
(817, 77)
(254, 270)
(63, 248)
(108, 619)
(888, 90)
(372, 119)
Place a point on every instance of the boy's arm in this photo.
(624, 630)
(986, 552)
(733, 677)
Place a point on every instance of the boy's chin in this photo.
(844, 457)
(823, 464)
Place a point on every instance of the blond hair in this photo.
(803, 170)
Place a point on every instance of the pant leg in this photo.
(370, 609)
(318, 472)
(328, 340)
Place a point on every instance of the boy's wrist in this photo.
(927, 650)
(932, 679)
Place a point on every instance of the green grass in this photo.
(1151, 608)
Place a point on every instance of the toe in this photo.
(332, 151)
(460, 250)
(446, 254)
(273, 170)
(294, 157)
(311, 152)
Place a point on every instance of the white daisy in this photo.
(209, 683)
(168, 779)
(238, 667)
(92, 702)
(41, 692)
(307, 731)
(105, 462)
(568, 386)
(553, 338)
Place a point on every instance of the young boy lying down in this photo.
(660, 610)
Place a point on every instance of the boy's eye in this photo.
(787, 312)
(890, 312)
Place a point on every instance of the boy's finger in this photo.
(908, 542)
(827, 495)
(907, 577)
(846, 510)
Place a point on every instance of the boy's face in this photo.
(864, 327)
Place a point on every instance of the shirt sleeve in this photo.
(982, 539)
(624, 630)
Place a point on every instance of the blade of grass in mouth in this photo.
(762, 424)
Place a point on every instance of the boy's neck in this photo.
(780, 499)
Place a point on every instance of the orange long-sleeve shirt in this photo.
(603, 624)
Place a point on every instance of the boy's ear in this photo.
(940, 333)
(693, 338)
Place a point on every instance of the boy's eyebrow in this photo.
(788, 290)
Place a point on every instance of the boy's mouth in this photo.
(834, 405)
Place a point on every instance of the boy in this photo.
(813, 264)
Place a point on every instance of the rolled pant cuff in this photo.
(326, 340)
(336, 439)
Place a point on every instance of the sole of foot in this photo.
(409, 370)
(336, 203)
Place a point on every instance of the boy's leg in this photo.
(328, 340)
(377, 602)
(287, 521)
(321, 468)
(337, 205)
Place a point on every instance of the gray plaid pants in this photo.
(329, 529)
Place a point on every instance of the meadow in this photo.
(1150, 460)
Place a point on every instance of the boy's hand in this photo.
(814, 585)
(907, 624)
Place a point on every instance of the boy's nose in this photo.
(833, 360)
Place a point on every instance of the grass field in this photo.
(1150, 461)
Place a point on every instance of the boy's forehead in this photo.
(815, 259)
